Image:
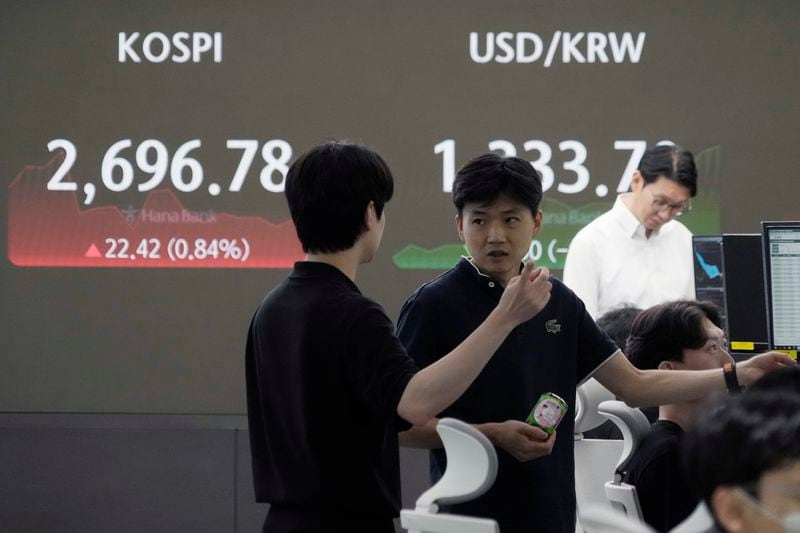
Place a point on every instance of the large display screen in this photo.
(146, 145)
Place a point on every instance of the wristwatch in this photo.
(731, 381)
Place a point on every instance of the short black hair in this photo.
(486, 177)
(618, 322)
(329, 188)
(786, 378)
(662, 332)
(736, 443)
(671, 162)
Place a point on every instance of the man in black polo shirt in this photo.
(328, 384)
(497, 201)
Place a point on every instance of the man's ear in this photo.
(666, 365)
(537, 223)
(638, 182)
(729, 508)
(460, 227)
(370, 216)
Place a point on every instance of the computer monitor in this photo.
(782, 285)
(729, 272)
(708, 281)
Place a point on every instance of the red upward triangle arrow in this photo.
(92, 251)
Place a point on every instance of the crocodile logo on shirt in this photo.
(552, 326)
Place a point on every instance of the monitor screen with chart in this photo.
(782, 268)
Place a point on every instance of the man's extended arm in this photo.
(437, 386)
(660, 387)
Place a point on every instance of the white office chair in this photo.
(603, 519)
(595, 459)
(588, 398)
(471, 470)
(634, 426)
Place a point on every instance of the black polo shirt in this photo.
(553, 352)
(325, 373)
(656, 470)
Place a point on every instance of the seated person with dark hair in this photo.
(744, 460)
(617, 324)
(682, 335)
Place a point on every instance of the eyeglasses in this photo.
(660, 204)
(786, 489)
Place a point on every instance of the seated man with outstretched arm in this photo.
(682, 335)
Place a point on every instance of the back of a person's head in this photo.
(671, 162)
(734, 445)
(329, 189)
(662, 332)
(786, 378)
(618, 322)
(489, 176)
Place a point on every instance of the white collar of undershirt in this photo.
(490, 280)
(473, 265)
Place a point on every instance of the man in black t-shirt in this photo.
(328, 384)
(682, 335)
(497, 201)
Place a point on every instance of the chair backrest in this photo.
(633, 425)
(587, 398)
(595, 463)
(604, 519)
(595, 459)
(624, 499)
(471, 471)
(471, 465)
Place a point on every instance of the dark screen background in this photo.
(719, 77)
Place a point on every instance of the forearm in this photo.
(425, 436)
(661, 387)
(657, 387)
(437, 386)
(491, 430)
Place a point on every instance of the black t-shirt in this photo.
(656, 470)
(553, 352)
(325, 373)
(608, 430)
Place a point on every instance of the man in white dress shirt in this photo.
(637, 253)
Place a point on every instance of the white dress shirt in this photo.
(611, 262)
